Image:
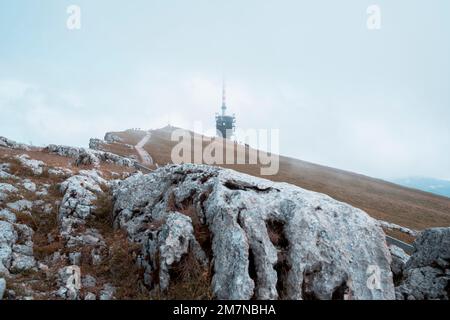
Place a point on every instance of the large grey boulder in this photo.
(8, 236)
(269, 240)
(427, 272)
(64, 151)
(2, 288)
(85, 156)
(36, 166)
(4, 172)
(80, 192)
(22, 254)
(11, 144)
(7, 215)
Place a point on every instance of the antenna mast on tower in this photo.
(225, 125)
(224, 98)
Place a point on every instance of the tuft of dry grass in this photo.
(189, 281)
(37, 284)
(45, 226)
(16, 168)
(26, 218)
(125, 275)
(13, 197)
(201, 231)
(118, 266)
(41, 251)
(45, 174)
(275, 230)
(102, 214)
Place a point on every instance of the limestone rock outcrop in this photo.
(2, 287)
(36, 166)
(16, 248)
(79, 195)
(85, 156)
(11, 144)
(426, 275)
(111, 137)
(268, 240)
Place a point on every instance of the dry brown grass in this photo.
(125, 274)
(275, 230)
(25, 218)
(13, 197)
(16, 168)
(41, 251)
(46, 227)
(119, 266)
(189, 281)
(400, 235)
(53, 160)
(101, 216)
(31, 283)
(131, 137)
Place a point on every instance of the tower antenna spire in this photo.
(224, 97)
(225, 125)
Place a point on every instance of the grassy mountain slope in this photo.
(382, 200)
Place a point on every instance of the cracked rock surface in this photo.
(16, 248)
(399, 260)
(268, 240)
(426, 274)
(80, 193)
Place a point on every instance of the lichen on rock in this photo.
(327, 250)
(426, 274)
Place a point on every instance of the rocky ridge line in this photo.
(269, 240)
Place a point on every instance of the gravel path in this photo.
(144, 155)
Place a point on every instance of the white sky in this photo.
(373, 102)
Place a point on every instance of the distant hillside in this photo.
(381, 199)
(436, 186)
